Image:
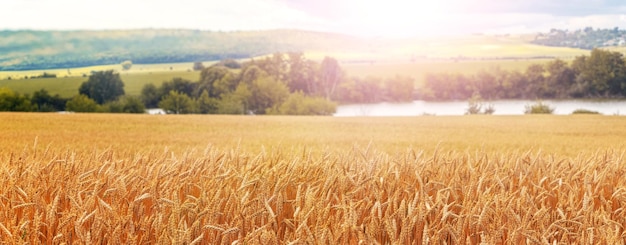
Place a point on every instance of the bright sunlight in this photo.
(395, 18)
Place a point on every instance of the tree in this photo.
(535, 81)
(330, 76)
(560, 78)
(296, 76)
(178, 84)
(400, 89)
(603, 73)
(198, 66)
(265, 93)
(132, 104)
(103, 86)
(216, 80)
(299, 104)
(81, 103)
(275, 66)
(13, 101)
(235, 102)
(177, 103)
(42, 101)
(251, 73)
(126, 65)
(150, 95)
(206, 104)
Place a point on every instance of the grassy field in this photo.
(134, 179)
(68, 86)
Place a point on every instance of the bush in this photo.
(475, 106)
(126, 65)
(538, 108)
(177, 103)
(299, 104)
(584, 111)
(198, 66)
(126, 104)
(81, 103)
(13, 101)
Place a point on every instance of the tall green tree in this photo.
(265, 93)
(559, 80)
(535, 87)
(235, 102)
(603, 73)
(150, 95)
(206, 104)
(216, 80)
(178, 84)
(103, 86)
(302, 74)
(42, 101)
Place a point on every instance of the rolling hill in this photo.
(29, 50)
(39, 50)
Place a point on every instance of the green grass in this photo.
(68, 86)
(133, 83)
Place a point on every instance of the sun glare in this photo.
(396, 18)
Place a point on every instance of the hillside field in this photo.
(68, 86)
(197, 179)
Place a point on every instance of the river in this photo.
(502, 107)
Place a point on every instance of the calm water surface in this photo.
(502, 107)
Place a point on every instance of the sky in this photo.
(368, 18)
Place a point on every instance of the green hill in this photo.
(44, 50)
(32, 50)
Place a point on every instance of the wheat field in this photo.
(140, 179)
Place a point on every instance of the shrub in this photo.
(13, 101)
(584, 111)
(299, 104)
(538, 108)
(126, 65)
(475, 106)
(81, 103)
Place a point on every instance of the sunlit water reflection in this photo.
(502, 107)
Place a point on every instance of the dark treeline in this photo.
(602, 74)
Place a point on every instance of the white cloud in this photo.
(357, 17)
(115, 14)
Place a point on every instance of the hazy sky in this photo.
(357, 17)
